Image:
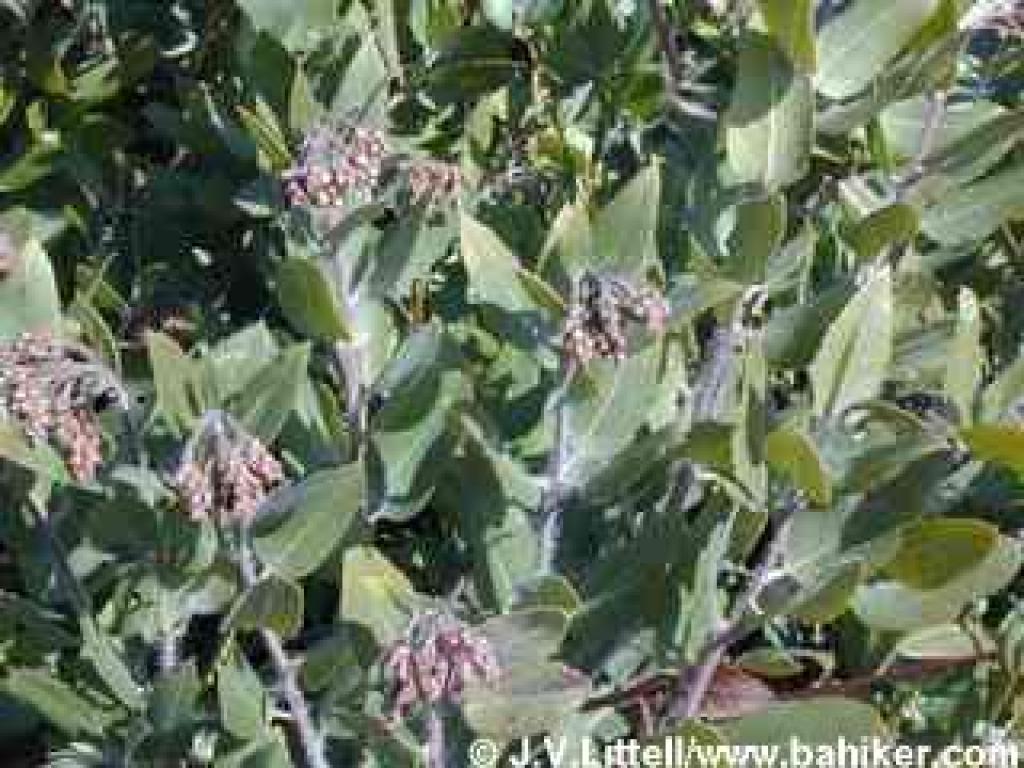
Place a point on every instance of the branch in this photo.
(910, 672)
(167, 656)
(694, 681)
(672, 67)
(437, 752)
(551, 501)
(673, 61)
(934, 117)
(350, 359)
(860, 686)
(284, 670)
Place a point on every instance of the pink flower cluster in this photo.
(50, 389)
(226, 477)
(432, 182)
(435, 659)
(601, 313)
(336, 168)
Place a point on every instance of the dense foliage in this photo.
(377, 375)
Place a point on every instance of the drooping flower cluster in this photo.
(337, 167)
(434, 183)
(603, 309)
(53, 389)
(225, 473)
(435, 658)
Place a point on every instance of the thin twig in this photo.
(934, 117)
(909, 672)
(284, 670)
(690, 108)
(672, 68)
(551, 502)
(673, 61)
(351, 360)
(861, 685)
(167, 660)
(437, 751)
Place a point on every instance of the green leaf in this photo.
(811, 722)
(493, 497)
(704, 603)
(28, 293)
(794, 454)
(273, 394)
(945, 641)
(272, 603)
(97, 648)
(411, 437)
(269, 752)
(55, 701)
(36, 457)
(903, 123)
(528, 699)
(772, 663)
(791, 25)
(855, 46)
(966, 367)
(971, 155)
(793, 334)
(999, 397)
(233, 362)
(855, 353)
(303, 110)
(295, 25)
(1001, 444)
(37, 163)
(755, 238)
(934, 552)
(893, 606)
(625, 233)
(407, 253)
(497, 278)
(826, 597)
(309, 522)
(609, 403)
(510, 14)
(241, 699)
(173, 702)
(260, 122)
(376, 595)
(333, 662)
(179, 398)
(526, 636)
(548, 592)
(308, 301)
(365, 85)
(569, 248)
(888, 226)
(973, 212)
(769, 123)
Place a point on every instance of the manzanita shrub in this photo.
(378, 377)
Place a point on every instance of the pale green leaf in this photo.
(769, 123)
(855, 46)
(851, 362)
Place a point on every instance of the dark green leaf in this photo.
(309, 521)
